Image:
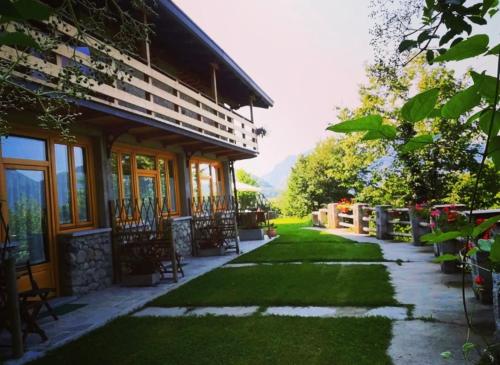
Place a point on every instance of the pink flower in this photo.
(432, 225)
(435, 213)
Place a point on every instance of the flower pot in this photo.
(271, 232)
(480, 268)
(417, 230)
(496, 299)
(212, 251)
(141, 279)
(451, 247)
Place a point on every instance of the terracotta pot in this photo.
(271, 232)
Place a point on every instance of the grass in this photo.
(298, 244)
(227, 340)
(287, 284)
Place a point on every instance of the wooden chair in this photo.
(142, 233)
(36, 293)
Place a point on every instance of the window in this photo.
(206, 179)
(24, 148)
(145, 176)
(71, 179)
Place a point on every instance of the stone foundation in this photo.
(86, 261)
(182, 235)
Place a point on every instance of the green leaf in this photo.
(485, 121)
(472, 251)
(495, 250)
(461, 102)
(487, 4)
(467, 347)
(385, 131)
(23, 10)
(369, 123)
(446, 257)
(486, 85)
(420, 106)
(436, 237)
(487, 224)
(485, 245)
(470, 47)
(17, 39)
(446, 355)
(406, 45)
(494, 51)
(417, 143)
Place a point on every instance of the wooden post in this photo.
(382, 217)
(357, 211)
(214, 82)
(323, 217)
(251, 107)
(13, 307)
(333, 215)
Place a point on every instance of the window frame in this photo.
(76, 223)
(120, 150)
(213, 164)
(51, 139)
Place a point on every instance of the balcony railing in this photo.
(145, 91)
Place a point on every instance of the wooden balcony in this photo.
(145, 91)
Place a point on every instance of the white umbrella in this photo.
(247, 187)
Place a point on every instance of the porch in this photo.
(98, 308)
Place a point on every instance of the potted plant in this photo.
(419, 219)
(447, 219)
(213, 243)
(140, 271)
(271, 230)
(480, 265)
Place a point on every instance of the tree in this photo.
(337, 168)
(418, 171)
(30, 32)
(246, 199)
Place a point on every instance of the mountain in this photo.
(278, 176)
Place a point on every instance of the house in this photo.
(170, 131)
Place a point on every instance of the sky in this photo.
(309, 56)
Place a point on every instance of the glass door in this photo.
(26, 189)
(147, 185)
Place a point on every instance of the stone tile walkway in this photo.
(439, 323)
(105, 305)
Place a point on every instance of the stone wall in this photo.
(86, 261)
(182, 235)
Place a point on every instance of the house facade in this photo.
(169, 131)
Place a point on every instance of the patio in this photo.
(102, 306)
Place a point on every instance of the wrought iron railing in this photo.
(207, 205)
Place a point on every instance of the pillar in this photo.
(382, 217)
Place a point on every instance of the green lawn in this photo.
(287, 284)
(234, 341)
(298, 244)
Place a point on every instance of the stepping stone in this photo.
(161, 312)
(301, 311)
(224, 311)
(395, 313)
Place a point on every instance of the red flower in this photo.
(479, 280)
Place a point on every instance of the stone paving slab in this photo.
(394, 313)
(161, 312)
(251, 264)
(224, 311)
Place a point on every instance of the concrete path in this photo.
(439, 323)
(105, 305)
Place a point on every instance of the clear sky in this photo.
(308, 55)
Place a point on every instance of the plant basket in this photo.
(451, 247)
